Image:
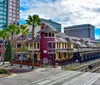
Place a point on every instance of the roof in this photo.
(36, 39)
(63, 35)
(57, 39)
(48, 29)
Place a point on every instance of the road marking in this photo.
(92, 80)
(59, 80)
(48, 77)
(75, 79)
(43, 82)
(48, 80)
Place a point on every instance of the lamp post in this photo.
(53, 55)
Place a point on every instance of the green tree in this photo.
(24, 32)
(8, 52)
(4, 34)
(13, 30)
(33, 21)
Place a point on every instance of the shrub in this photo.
(3, 71)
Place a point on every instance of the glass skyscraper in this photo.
(9, 12)
(3, 13)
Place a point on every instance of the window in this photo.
(53, 45)
(69, 46)
(10, 10)
(14, 19)
(52, 34)
(31, 45)
(37, 45)
(10, 7)
(49, 45)
(14, 12)
(49, 34)
(68, 54)
(18, 45)
(14, 15)
(65, 45)
(10, 14)
(34, 45)
(59, 56)
(59, 45)
(14, 4)
(62, 45)
(46, 35)
(14, 8)
(64, 55)
(10, 18)
(10, 3)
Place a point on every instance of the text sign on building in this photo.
(45, 60)
(45, 51)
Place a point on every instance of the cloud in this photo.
(66, 12)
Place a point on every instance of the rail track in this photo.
(95, 66)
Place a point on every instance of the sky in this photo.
(66, 12)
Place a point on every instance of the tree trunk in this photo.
(12, 35)
(33, 45)
(21, 61)
(3, 54)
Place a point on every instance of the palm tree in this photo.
(4, 34)
(13, 29)
(33, 21)
(24, 32)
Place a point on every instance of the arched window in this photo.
(52, 34)
(38, 46)
(49, 34)
(46, 34)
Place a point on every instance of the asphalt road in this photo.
(52, 76)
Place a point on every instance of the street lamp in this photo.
(53, 55)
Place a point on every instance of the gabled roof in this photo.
(36, 39)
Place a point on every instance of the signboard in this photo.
(45, 60)
(45, 51)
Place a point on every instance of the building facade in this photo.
(9, 12)
(81, 31)
(50, 47)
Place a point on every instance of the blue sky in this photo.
(66, 12)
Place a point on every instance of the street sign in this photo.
(45, 60)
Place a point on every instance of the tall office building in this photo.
(81, 31)
(53, 24)
(9, 12)
(49, 22)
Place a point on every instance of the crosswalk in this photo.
(68, 78)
